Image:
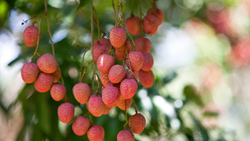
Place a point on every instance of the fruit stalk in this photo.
(92, 43)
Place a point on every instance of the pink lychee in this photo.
(66, 112)
(81, 92)
(29, 72)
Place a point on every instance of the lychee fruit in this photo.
(146, 78)
(80, 125)
(29, 72)
(110, 95)
(150, 24)
(128, 88)
(125, 135)
(120, 53)
(143, 44)
(44, 82)
(137, 123)
(103, 41)
(96, 133)
(95, 105)
(98, 50)
(117, 36)
(116, 73)
(106, 111)
(121, 104)
(104, 79)
(136, 73)
(81, 92)
(133, 25)
(105, 62)
(131, 75)
(136, 60)
(156, 12)
(30, 36)
(148, 61)
(66, 112)
(57, 92)
(47, 63)
(57, 75)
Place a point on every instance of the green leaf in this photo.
(84, 2)
(202, 130)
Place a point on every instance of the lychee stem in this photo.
(97, 24)
(113, 5)
(92, 43)
(84, 71)
(134, 105)
(132, 12)
(150, 3)
(81, 66)
(141, 14)
(133, 47)
(126, 116)
(98, 83)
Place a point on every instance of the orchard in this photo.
(96, 70)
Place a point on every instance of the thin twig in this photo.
(134, 105)
(126, 116)
(82, 66)
(47, 17)
(114, 12)
(132, 12)
(84, 71)
(92, 43)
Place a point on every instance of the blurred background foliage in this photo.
(201, 52)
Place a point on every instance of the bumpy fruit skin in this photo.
(57, 75)
(81, 92)
(133, 25)
(103, 41)
(120, 53)
(29, 72)
(57, 92)
(80, 125)
(116, 73)
(156, 12)
(95, 105)
(110, 95)
(143, 44)
(137, 123)
(150, 24)
(66, 112)
(44, 82)
(117, 36)
(30, 36)
(131, 75)
(105, 62)
(104, 79)
(125, 135)
(128, 88)
(98, 50)
(148, 61)
(96, 133)
(146, 78)
(47, 63)
(121, 104)
(136, 60)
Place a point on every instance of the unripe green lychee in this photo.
(103, 41)
(146, 78)
(47, 63)
(95, 105)
(66, 112)
(110, 95)
(105, 62)
(29, 72)
(116, 73)
(128, 88)
(143, 44)
(150, 24)
(96, 133)
(80, 125)
(136, 60)
(133, 25)
(57, 75)
(44, 82)
(120, 53)
(104, 79)
(137, 123)
(57, 92)
(30, 36)
(148, 61)
(125, 135)
(117, 36)
(81, 92)
(98, 50)
(156, 12)
(121, 104)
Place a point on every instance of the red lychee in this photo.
(96, 133)
(103, 41)
(30, 36)
(98, 50)
(150, 24)
(107, 110)
(116, 73)
(125, 135)
(57, 92)
(29, 72)
(148, 61)
(128, 88)
(81, 92)
(136, 60)
(104, 79)
(120, 53)
(131, 75)
(66, 112)
(121, 104)
(47, 63)
(57, 75)
(146, 78)
(137, 123)
(95, 105)
(80, 125)
(105, 62)
(117, 36)
(133, 25)
(142, 44)
(110, 95)
(44, 82)
(156, 12)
